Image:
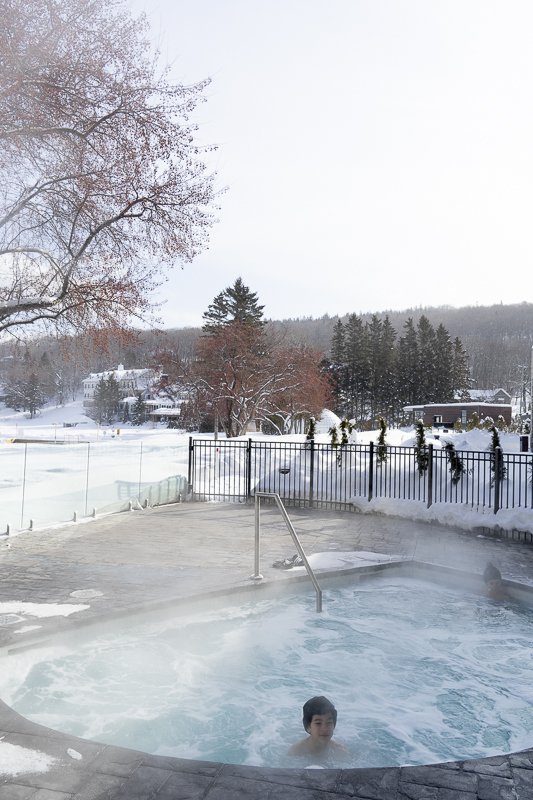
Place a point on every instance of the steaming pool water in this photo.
(418, 673)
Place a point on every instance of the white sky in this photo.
(378, 154)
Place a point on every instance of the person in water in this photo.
(319, 720)
(493, 582)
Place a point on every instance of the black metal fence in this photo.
(320, 475)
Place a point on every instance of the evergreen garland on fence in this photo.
(495, 442)
(381, 450)
(421, 449)
(457, 467)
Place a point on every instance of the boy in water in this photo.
(493, 581)
(319, 720)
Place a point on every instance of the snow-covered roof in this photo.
(166, 412)
(119, 374)
(485, 394)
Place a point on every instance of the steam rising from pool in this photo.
(417, 672)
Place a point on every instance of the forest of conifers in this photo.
(497, 339)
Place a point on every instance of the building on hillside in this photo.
(130, 382)
(445, 415)
(489, 395)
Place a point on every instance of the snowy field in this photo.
(82, 468)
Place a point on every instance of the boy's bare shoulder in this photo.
(300, 748)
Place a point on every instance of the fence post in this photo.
(249, 468)
(371, 471)
(430, 475)
(312, 474)
(87, 478)
(189, 472)
(140, 471)
(497, 477)
(23, 486)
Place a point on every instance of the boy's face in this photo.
(321, 728)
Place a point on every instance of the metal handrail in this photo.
(257, 575)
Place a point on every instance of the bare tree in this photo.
(102, 182)
(244, 375)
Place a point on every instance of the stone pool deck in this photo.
(157, 557)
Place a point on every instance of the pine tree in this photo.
(356, 368)
(235, 304)
(408, 365)
(138, 411)
(460, 369)
(444, 378)
(427, 361)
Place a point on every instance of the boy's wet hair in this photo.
(318, 705)
(491, 573)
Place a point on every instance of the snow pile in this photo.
(15, 760)
(455, 515)
(41, 610)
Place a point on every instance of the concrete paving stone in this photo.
(325, 779)
(12, 791)
(184, 787)
(439, 776)
(184, 765)
(97, 787)
(497, 765)
(523, 783)
(236, 788)
(48, 794)
(64, 779)
(143, 784)
(494, 788)
(523, 759)
(117, 761)
(377, 784)
(416, 791)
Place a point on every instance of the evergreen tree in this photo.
(112, 392)
(338, 344)
(25, 392)
(138, 411)
(460, 369)
(408, 365)
(235, 304)
(388, 397)
(356, 353)
(427, 361)
(106, 400)
(444, 385)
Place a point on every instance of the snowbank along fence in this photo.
(323, 476)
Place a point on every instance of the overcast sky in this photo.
(378, 154)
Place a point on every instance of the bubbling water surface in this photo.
(418, 673)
